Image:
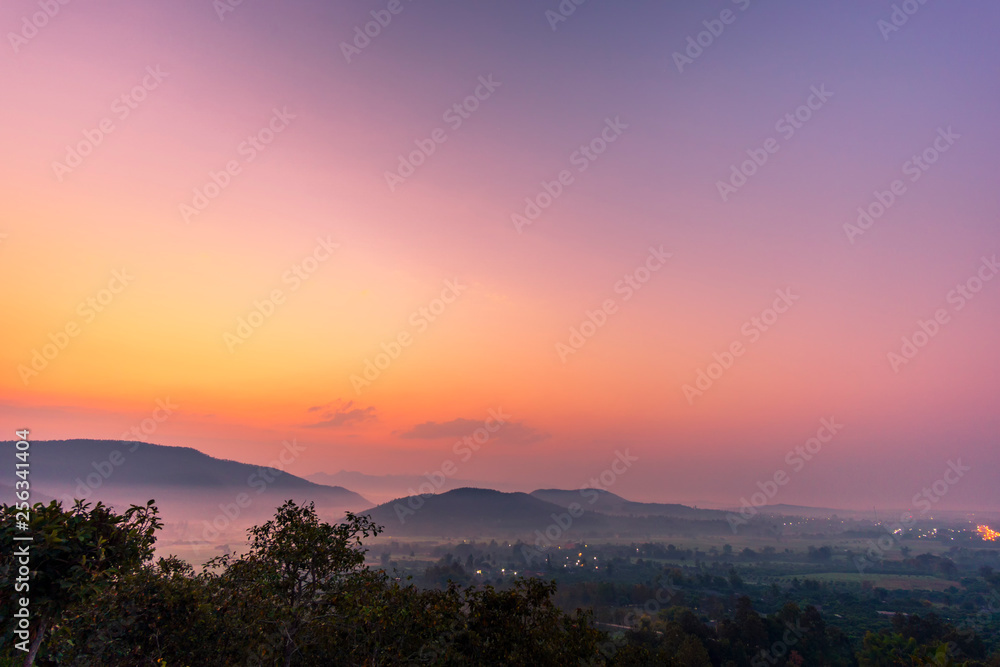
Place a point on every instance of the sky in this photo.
(712, 241)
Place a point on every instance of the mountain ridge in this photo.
(212, 497)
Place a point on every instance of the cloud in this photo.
(339, 413)
(512, 432)
(456, 428)
(521, 433)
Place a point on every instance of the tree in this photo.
(820, 554)
(691, 652)
(289, 577)
(162, 611)
(72, 555)
(522, 626)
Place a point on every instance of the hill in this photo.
(606, 502)
(782, 509)
(383, 488)
(188, 485)
(471, 513)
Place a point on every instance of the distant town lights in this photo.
(987, 533)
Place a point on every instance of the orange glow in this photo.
(987, 533)
(279, 309)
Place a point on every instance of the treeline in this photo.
(301, 594)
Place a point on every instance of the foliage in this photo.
(290, 579)
(73, 555)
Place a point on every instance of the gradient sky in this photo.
(189, 281)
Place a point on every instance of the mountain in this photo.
(472, 512)
(606, 502)
(382, 488)
(188, 486)
(204, 500)
(781, 509)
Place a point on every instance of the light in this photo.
(987, 533)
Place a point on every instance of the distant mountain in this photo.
(782, 509)
(382, 488)
(186, 484)
(606, 502)
(471, 512)
(881, 513)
